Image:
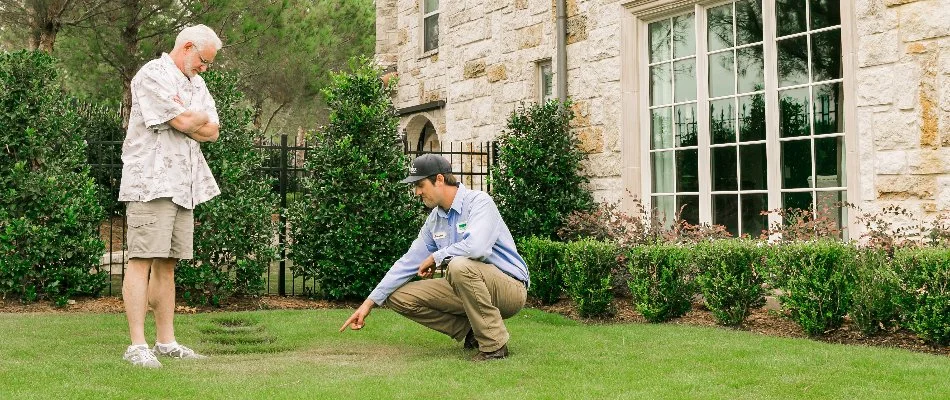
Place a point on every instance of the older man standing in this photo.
(164, 177)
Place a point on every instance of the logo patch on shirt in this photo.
(438, 235)
(462, 226)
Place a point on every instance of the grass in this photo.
(300, 354)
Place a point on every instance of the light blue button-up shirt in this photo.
(471, 228)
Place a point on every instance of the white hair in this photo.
(200, 35)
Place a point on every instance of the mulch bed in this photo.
(761, 321)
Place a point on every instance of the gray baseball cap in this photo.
(427, 165)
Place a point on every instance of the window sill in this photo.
(430, 53)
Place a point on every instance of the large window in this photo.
(714, 137)
(430, 25)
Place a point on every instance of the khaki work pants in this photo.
(472, 295)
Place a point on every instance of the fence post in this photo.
(282, 219)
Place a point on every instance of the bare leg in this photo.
(134, 295)
(161, 296)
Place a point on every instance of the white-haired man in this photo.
(164, 177)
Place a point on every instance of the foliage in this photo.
(49, 213)
(661, 283)
(729, 278)
(801, 224)
(538, 179)
(353, 218)
(586, 266)
(876, 292)
(607, 221)
(543, 258)
(102, 127)
(925, 286)
(818, 280)
(233, 231)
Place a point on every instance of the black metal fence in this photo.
(284, 158)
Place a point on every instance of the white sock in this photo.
(171, 345)
(139, 345)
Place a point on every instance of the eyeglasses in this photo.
(204, 62)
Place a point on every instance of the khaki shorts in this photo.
(159, 229)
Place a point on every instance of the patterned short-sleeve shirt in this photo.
(158, 160)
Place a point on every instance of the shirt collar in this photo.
(167, 59)
(456, 203)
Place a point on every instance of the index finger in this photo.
(345, 324)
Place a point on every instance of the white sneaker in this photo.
(141, 356)
(176, 350)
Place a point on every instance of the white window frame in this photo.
(422, 28)
(539, 67)
(635, 119)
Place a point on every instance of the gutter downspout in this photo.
(561, 54)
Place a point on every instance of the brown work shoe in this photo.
(492, 355)
(470, 342)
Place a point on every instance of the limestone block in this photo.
(581, 109)
(514, 92)
(496, 73)
(612, 141)
(878, 49)
(472, 31)
(902, 187)
(495, 5)
(474, 69)
(529, 37)
(891, 162)
(475, 51)
(461, 91)
(481, 111)
(458, 111)
(929, 134)
(576, 29)
(602, 165)
(591, 139)
(928, 161)
(925, 19)
(874, 17)
(896, 130)
(603, 44)
(876, 85)
(943, 193)
(402, 37)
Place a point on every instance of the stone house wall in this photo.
(485, 67)
(903, 103)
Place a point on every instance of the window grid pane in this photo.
(811, 143)
(810, 105)
(673, 118)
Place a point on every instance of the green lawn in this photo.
(300, 354)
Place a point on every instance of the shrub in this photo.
(818, 280)
(875, 297)
(729, 278)
(661, 283)
(607, 222)
(586, 266)
(802, 224)
(543, 257)
(234, 231)
(925, 286)
(538, 180)
(353, 218)
(49, 212)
